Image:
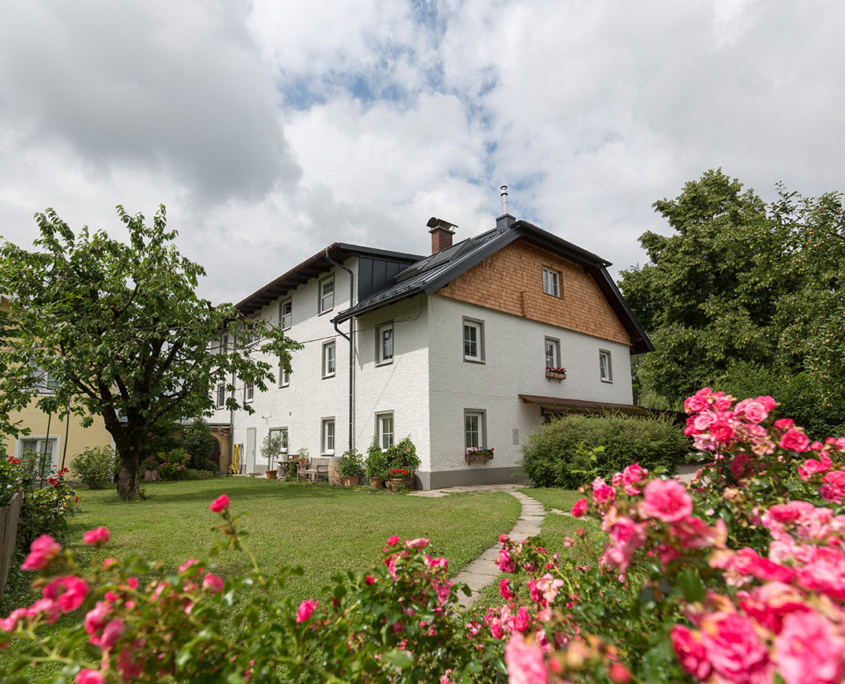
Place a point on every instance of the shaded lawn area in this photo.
(321, 528)
(556, 528)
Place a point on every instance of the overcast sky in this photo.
(272, 129)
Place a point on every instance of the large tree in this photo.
(122, 334)
(745, 296)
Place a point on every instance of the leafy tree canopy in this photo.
(120, 332)
(746, 296)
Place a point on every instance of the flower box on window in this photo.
(556, 373)
(477, 454)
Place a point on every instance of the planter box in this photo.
(479, 457)
(404, 483)
(9, 516)
(350, 481)
(555, 376)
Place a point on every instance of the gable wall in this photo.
(511, 280)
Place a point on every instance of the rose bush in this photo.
(737, 577)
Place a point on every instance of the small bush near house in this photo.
(172, 470)
(350, 464)
(199, 443)
(403, 455)
(560, 454)
(96, 467)
(376, 465)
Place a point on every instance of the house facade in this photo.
(450, 349)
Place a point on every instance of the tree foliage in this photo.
(744, 295)
(122, 333)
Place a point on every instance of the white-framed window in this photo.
(43, 382)
(283, 433)
(473, 340)
(605, 366)
(384, 429)
(37, 446)
(249, 392)
(384, 343)
(474, 428)
(551, 282)
(221, 396)
(328, 436)
(286, 314)
(224, 343)
(326, 295)
(284, 377)
(329, 359)
(552, 353)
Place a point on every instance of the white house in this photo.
(450, 349)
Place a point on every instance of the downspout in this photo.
(348, 338)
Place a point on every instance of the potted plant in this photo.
(475, 454)
(350, 467)
(271, 448)
(403, 456)
(376, 465)
(150, 465)
(400, 478)
(556, 373)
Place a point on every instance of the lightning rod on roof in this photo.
(504, 193)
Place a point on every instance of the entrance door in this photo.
(249, 459)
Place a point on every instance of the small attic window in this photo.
(551, 282)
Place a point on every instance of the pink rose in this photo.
(45, 607)
(187, 564)
(690, 652)
(813, 466)
(369, 579)
(213, 583)
(96, 537)
(96, 619)
(89, 676)
(521, 620)
(504, 561)
(579, 508)
(416, 543)
(68, 591)
(505, 589)
(112, 632)
(633, 474)
(784, 423)
(766, 402)
(808, 651)
(442, 590)
(733, 648)
(393, 540)
(306, 609)
(793, 440)
(41, 552)
(756, 412)
(525, 662)
(220, 504)
(602, 492)
(666, 500)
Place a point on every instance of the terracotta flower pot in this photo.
(270, 474)
(376, 482)
(401, 483)
(350, 481)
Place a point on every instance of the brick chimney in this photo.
(441, 234)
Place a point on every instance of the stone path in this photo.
(483, 571)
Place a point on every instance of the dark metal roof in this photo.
(313, 267)
(556, 405)
(436, 271)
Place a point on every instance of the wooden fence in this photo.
(9, 516)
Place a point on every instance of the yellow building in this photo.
(63, 437)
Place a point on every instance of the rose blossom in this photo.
(520, 621)
(419, 543)
(579, 508)
(220, 504)
(504, 562)
(690, 652)
(96, 537)
(112, 632)
(392, 541)
(795, 441)
(666, 500)
(525, 662)
(306, 609)
(807, 651)
(602, 492)
(68, 591)
(41, 552)
(46, 607)
(96, 619)
(213, 583)
(89, 676)
(505, 589)
(732, 646)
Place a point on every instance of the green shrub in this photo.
(208, 466)
(403, 455)
(96, 467)
(376, 465)
(350, 464)
(560, 454)
(199, 444)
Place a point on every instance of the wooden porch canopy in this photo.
(555, 406)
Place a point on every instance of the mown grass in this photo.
(323, 529)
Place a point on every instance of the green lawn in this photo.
(552, 497)
(324, 529)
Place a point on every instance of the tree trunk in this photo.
(128, 480)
